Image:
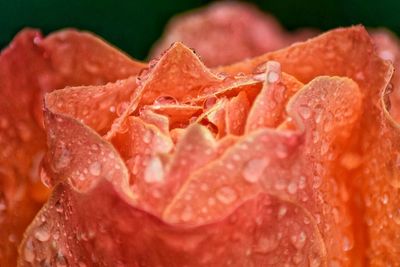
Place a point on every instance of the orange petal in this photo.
(236, 114)
(195, 148)
(258, 233)
(141, 145)
(21, 140)
(29, 67)
(178, 75)
(81, 58)
(268, 108)
(131, 236)
(178, 115)
(322, 55)
(95, 106)
(161, 121)
(276, 160)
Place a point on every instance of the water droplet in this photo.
(147, 137)
(62, 157)
(387, 55)
(95, 147)
(385, 199)
(112, 109)
(254, 169)
(282, 211)
(91, 67)
(226, 195)
(272, 77)
(266, 244)
(59, 207)
(396, 215)
(61, 261)
(292, 187)
(95, 168)
(273, 71)
(222, 75)
(154, 172)
(347, 244)
(42, 232)
(302, 182)
(29, 253)
(351, 161)
(165, 100)
(299, 240)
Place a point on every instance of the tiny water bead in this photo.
(226, 195)
(95, 168)
(154, 172)
(42, 232)
(63, 156)
(299, 240)
(254, 169)
(165, 100)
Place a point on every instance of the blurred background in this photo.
(134, 26)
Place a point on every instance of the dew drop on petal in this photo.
(292, 187)
(64, 157)
(95, 168)
(60, 260)
(42, 232)
(299, 240)
(154, 172)
(58, 206)
(226, 195)
(165, 100)
(254, 169)
(266, 244)
(29, 253)
(302, 182)
(347, 244)
(147, 136)
(396, 215)
(272, 77)
(95, 147)
(282, 211)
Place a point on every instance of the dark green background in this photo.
(134, 25)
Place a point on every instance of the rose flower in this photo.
(290, 158)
